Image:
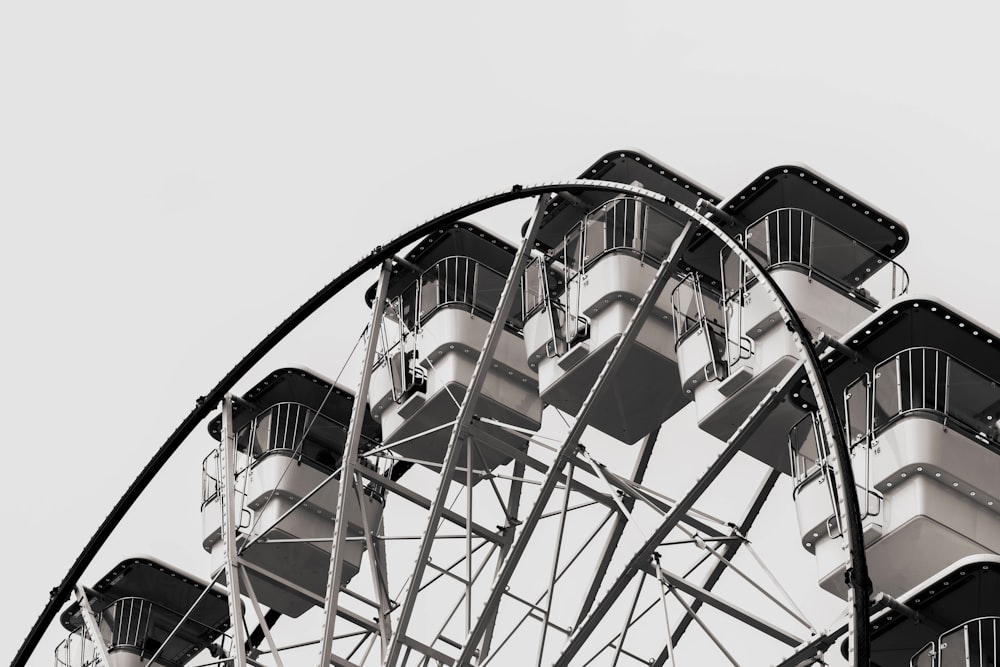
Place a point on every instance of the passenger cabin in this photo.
(957, 624)
(830, 253)
(136, 608)
(921, 405)
(291, 430)
(440, 303)
(596, 258)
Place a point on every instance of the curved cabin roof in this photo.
(301, 385)
(968, 588)
(800, 187)
(463, 239)
(168, 587)
(911, 321)
(621, 166)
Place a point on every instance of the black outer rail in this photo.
(206, 404)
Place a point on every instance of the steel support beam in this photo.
(425, 502)
(859, 586)
(509, 533)
(261, 620)
(351, 616)
(568, 447)
(729, 551)
(710, 598)
(618, 527)
(642, 557)
(464, 420)
(614, 480)
(347, 466)
(228, 497)
(92, 626)
(206, 404)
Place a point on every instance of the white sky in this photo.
(175, 178)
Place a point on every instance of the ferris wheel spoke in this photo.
(618, 528)
(231, 565)
(349, 460)
(642, 557)
(729, 551)
(375, 566)
(691, 613)
(619, 484)
(261, 619)
(627, 338)
(463, 420)
(708, 597)
(426, 503)
(534, 606)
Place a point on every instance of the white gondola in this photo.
(922, 405)
(831, 255)
(137, 609)
(290, 434)
(579, 296)
(440, 304)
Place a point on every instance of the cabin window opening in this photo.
(792, 236)
(658, 233)
(929, 380)
(886, 396)
(971, 644)
(534, 287)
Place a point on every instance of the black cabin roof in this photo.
(912, 321)
(463, 239)
(153, 580)
(301, 385)
(621, 166)
(798, 186)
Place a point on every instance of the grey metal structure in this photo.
(519, 473)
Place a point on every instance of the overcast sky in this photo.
(175, 178)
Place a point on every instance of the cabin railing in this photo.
(137, 625)
(623, 224)
(452, 282)
(283, 427)
(929, 381)
(695, 313)
(795, 237)
(972, 644)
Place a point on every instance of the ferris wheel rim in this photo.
(206, 403)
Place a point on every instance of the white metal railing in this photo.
(792, 236)
(929, 381)
(454, 281)
(971, 644)
(809, 455)
(281, 427)
(621, 225)
(133, 624)
(692, 313)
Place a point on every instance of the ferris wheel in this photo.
(663, 427)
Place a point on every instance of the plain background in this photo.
(175, 178)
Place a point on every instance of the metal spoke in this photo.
(347, 470)
(628, 337)
(669, 522)
(555, 563)
(260, 616)
(462, 422)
